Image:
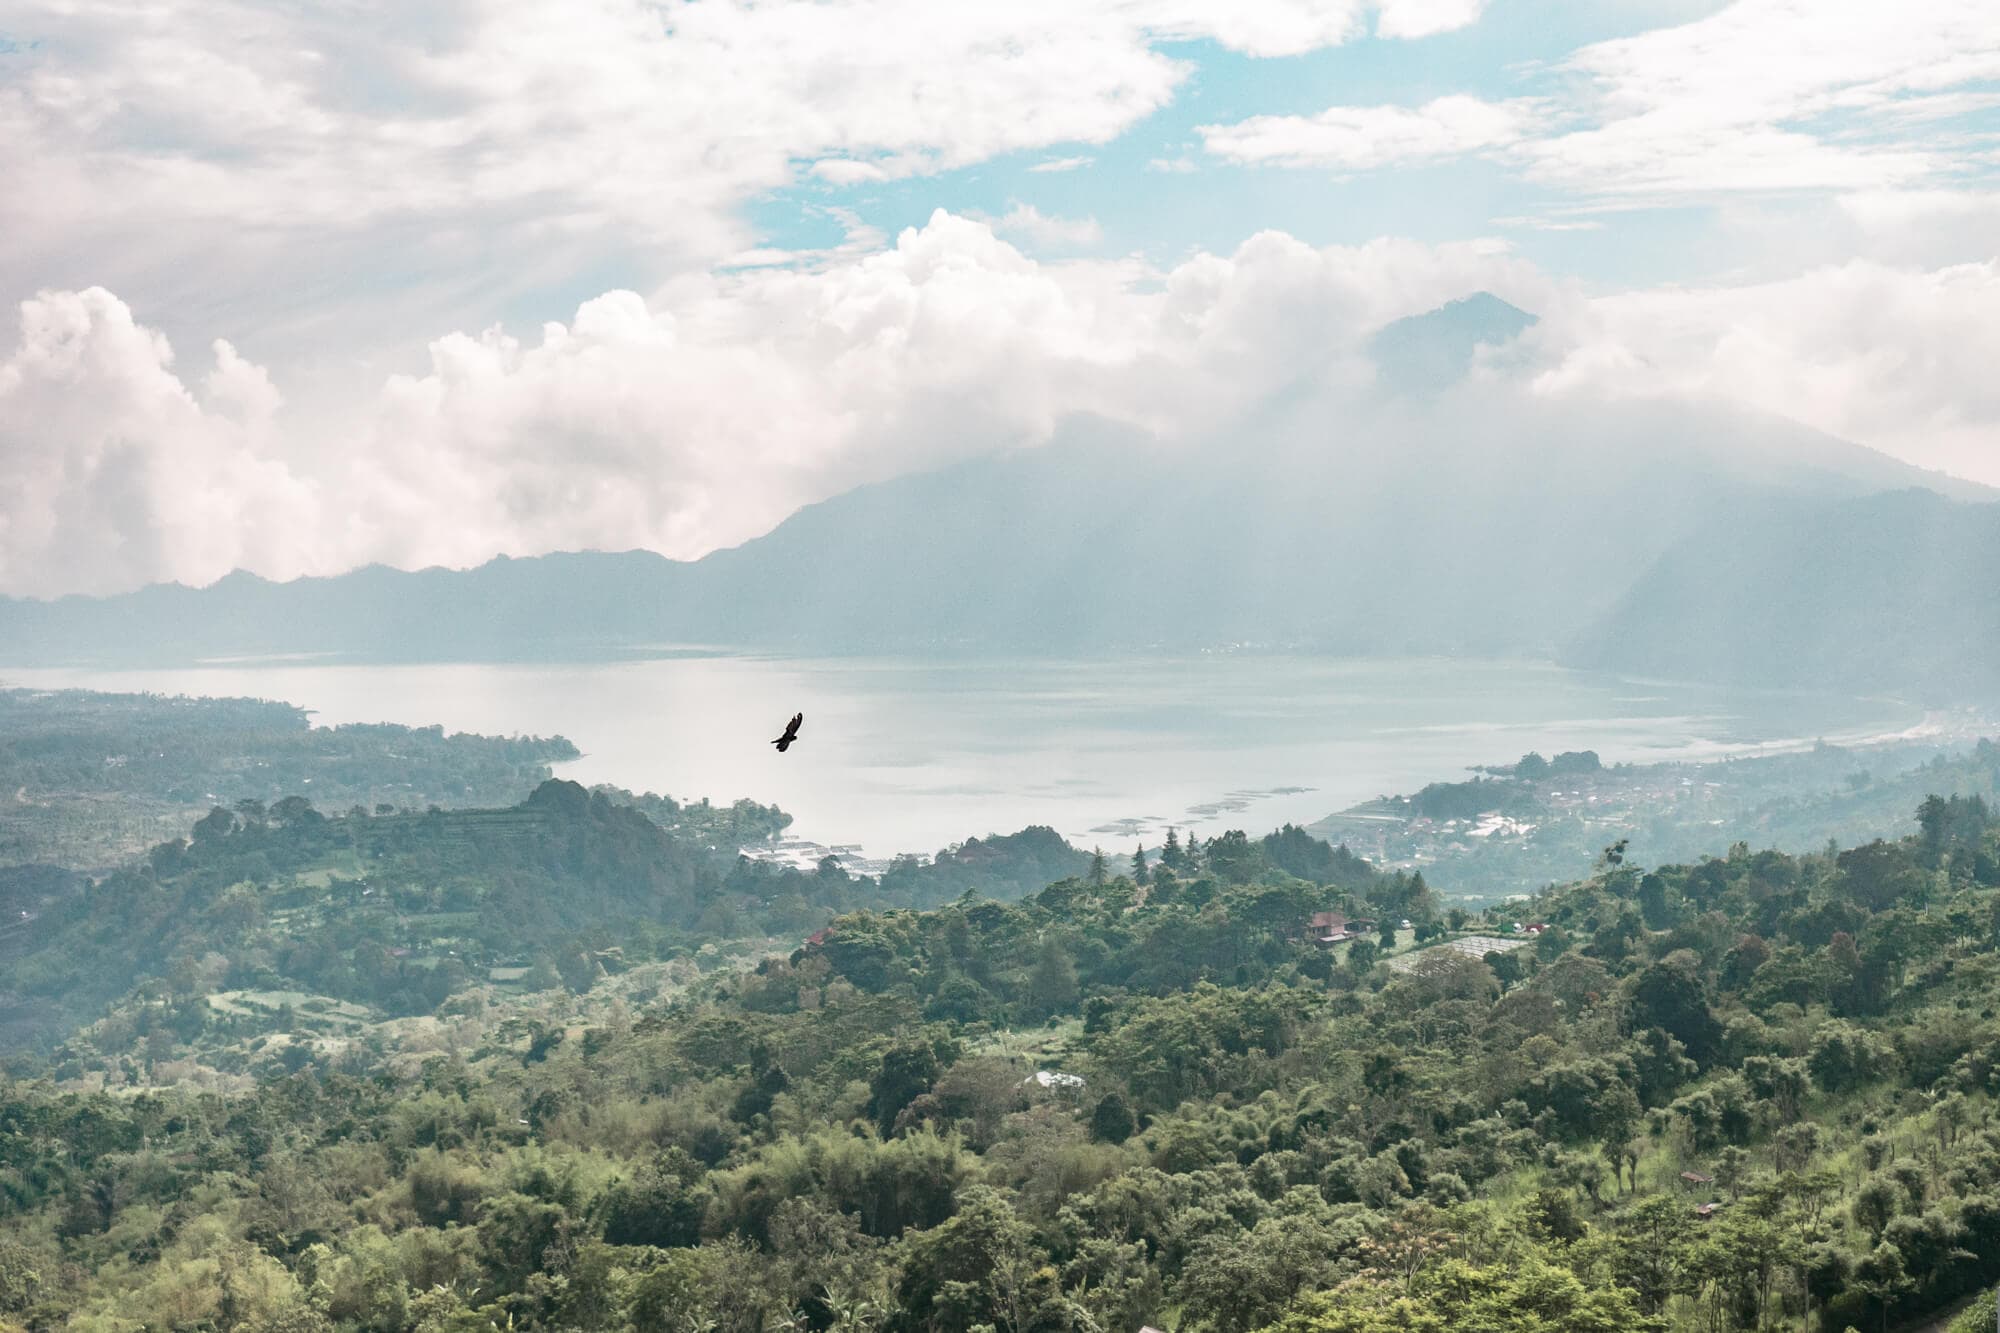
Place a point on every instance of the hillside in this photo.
(1740, 1093)
(1893, 592)
(1524, 826)
(93, 779)
(396, 911)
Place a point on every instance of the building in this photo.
(1329, 928)
(1055, 1081)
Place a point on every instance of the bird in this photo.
(784, 742)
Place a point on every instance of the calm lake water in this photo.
(902, 755)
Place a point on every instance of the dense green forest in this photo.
(397, 912)
(1754, 1090)
(88, 779)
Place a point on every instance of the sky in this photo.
(298, 287)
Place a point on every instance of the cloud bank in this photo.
(705, 415)
(312, 200)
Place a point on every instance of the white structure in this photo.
(1055, 1081)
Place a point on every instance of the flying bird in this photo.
(784, 742)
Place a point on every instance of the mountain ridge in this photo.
(1456, 515)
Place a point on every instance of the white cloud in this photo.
(351, 178)
(1771, 95)
(1761, 96)
(1048, 232)
(694, 420)
(1924, 227)
(1352, 138)
(112, 472)
(219, 151)
(1551, 223)
(702, 415)
(1894, 357)
(1425, 18)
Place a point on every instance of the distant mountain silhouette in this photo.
(1429, 352)
(1475, 521)
(1895, 592)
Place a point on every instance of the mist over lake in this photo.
(899, 754)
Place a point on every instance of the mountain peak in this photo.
(1430, 352)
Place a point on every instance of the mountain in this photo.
(1430, 352)
(1474, 518)
(1892, 592)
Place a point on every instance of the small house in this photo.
(1328, 928)
(1696, 1178)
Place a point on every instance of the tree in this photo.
(1531, 1296)
(1661, 1064)
(1235, 1283)
(1139, 871)
(213, 827)
(662, 1205)
(977, 1267)
(1052, 986)
(1652, 1249)
(1111, 1120)
(1875, 1204)
(905, 1074)
(1099, 872)
(1883, 1278)
(1670, 995)
(1653, 905)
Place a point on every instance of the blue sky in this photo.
(1213, 205)
(1512, 51)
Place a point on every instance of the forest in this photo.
(1750, 1091)
(92, 779)
(397, 911)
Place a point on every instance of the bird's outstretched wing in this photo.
(791, 733)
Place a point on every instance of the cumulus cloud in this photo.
(113, 473)
(1425, 18)
(1894, 357)
(359, 177)
(500, 147)
(694, 419)
(701, 415)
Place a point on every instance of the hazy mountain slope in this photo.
(1412, 530)
(1429, 352)
(1445, 514)
(1899, 591)
(1409, 532)
(585, 601)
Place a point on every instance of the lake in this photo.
(907, 755)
